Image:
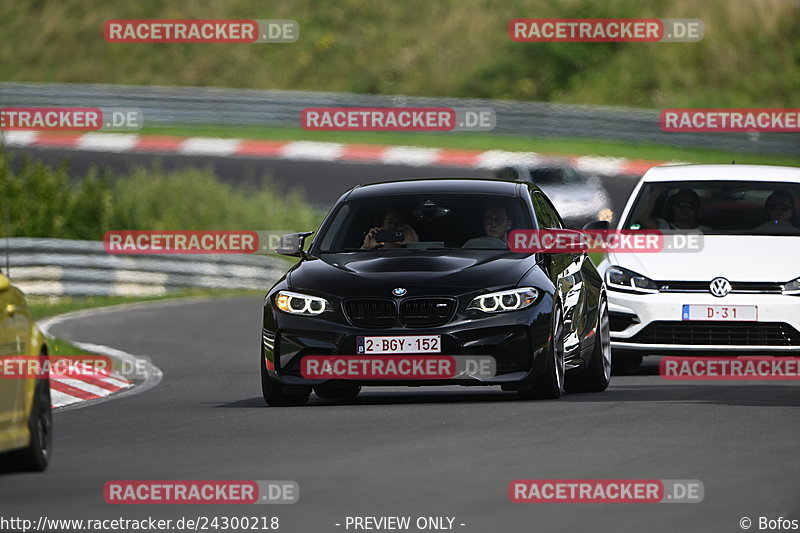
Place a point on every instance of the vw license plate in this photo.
(720, 312)
(400, 344)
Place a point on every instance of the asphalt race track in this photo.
(321, 182)
(405, 452)
(400, 451)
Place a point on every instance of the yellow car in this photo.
(25, 412)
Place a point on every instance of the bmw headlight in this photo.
(500, 302)
(793, 287)
(628, 280)
(300, 304)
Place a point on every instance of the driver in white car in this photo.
(682, 209)
(780, 211)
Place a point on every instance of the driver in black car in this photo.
(496, 222)
(496, 225)
(391, 220)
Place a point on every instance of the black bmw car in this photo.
(420, 270)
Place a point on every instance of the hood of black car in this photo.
(464, 269)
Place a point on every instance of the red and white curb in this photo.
(75, 392)
(315, 151)
(91, 386)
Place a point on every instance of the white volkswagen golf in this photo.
(740, 294)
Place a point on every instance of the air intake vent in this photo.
(719, 333)
(422, 312)
(371, 313)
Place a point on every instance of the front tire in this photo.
(550, 385)
(278, 395)
(36, 456)
(597, 374)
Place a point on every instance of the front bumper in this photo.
(652, 323)
(517, 342)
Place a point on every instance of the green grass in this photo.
(481, 141)
(62, 347)
(47, 306)
(749, 56)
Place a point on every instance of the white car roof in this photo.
(722, 172)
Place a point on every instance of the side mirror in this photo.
(4, 283)
(293, 244)
(601, 225)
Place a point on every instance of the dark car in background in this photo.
(439, 270)
(579, 197)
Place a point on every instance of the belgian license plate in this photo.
(400, 344)
(720, 312)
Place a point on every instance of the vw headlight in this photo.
(499, 302)
(793, 287)
(300, 304)
(628, 280)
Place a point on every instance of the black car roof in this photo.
(436, 185)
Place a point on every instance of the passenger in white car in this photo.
(780, 212)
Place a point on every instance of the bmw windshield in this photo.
(424, 222)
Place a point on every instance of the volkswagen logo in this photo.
(399, 291)
(720, 287)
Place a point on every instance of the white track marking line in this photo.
(209, 146)
(317, 151)
(18, 138)
(410, 155)
(107, 142)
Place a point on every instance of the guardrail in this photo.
(46, 267)
(213, 106)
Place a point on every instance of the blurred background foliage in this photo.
(750, 56)
(43, 201)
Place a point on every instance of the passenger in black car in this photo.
(391, 220)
